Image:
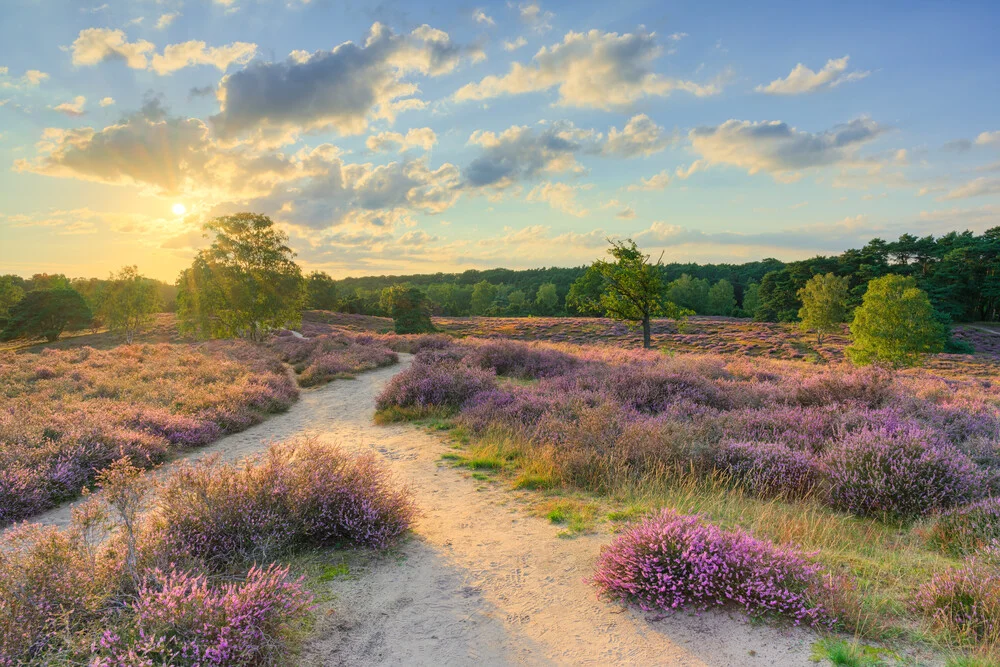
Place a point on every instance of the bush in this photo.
(898, 471)
(520, 360)
(295, 494)
(965, 602)
(966, 530)
(670, 561)
(768, 469)
(435, 381)
(180, 619)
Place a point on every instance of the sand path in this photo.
(481, 582)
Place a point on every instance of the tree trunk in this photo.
(645, 333)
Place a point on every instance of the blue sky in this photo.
(391, 137)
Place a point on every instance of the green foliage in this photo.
(895, 324)
(11, 291)
(517, 302)
(321, 292)
(843, 653)
(824, 304)
(633, 289)
(547, 299)
(483, 295)
(245, 284)
(690, 293)
(584, 297)
(751, 300)
(408, 308)
(721, 298)
(128, 302)
(46, 313)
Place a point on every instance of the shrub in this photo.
(670, 561)
(966, 530)
(520, 360)
(180, 619)
(295, 494)
(965, 602)
(435, 381)
(898, 471)
(768, 469)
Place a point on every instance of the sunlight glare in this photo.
(179, 209)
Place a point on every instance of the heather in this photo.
(671, 562)
(324, 357)
(850, 465)
(68, 414)
(964, 602)
(186, 581)
(963, 531)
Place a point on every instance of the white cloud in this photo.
(107, 101)
(481, 16)
(602, 70)
(74, 108)
(559, 196)
(166, 19)
(30, 79)
(803, 80)
(514, 45)
(779, 149)
(655, 182)
(988, 138)
(185, 54)
(532, 14)
(640, 136)
(975, 188)
(342, 89)
(96, 45)
(417, 137)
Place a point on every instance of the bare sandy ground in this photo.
(481, 582)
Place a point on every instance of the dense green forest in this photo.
(960, 271)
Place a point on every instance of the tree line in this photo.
(247, 282)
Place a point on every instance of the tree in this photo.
(517, 301)
(245, 284)
(10, 293)
(128, 302)
(483, 295)
(824, 304)
(321, 292)
(409, 309)
(690, 293)
(46, 313)
(633, 290)
(895, 324)
(584, 296)
(547, 299)
(751, 300)
(721, 298)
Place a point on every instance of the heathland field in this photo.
(737, 469)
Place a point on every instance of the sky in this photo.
(415, 137)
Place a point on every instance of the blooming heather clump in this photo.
(325, 357)
(898, 472)
(768, 469)
(671, 561)
(181, 619)
(435, 381)
(295, 494)
(965, 602)
(519, 360)
(966, 530)
(88, 408)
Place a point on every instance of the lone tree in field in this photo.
(824, 304)
(633, 289)
(245, 284)
(128, 303)
(408, 308)
(321, 291)
(46, 313)
(895, 324)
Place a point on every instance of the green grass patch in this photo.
(844, 653)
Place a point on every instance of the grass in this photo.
(844, 653)
(574, 515)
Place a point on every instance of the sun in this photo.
(179, 209)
